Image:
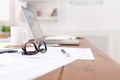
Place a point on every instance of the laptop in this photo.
(33, 23)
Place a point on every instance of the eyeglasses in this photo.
(40, 47)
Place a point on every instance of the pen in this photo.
(7, 51)
(64, 52)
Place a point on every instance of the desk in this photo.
(102, 68)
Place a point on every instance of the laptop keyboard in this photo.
(65, 41)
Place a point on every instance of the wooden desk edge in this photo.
(101, 61)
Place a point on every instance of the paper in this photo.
(55, 52)
(4, 42)
(80, 53)
(19, 67)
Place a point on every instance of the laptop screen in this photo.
(33, 23)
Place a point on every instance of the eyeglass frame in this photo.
(37, 48)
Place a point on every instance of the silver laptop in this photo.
(38, 34)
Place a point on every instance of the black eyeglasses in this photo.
(40, 47)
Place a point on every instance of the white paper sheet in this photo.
(19, 67)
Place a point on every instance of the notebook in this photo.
(37, 32)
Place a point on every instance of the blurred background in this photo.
(96, 20)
